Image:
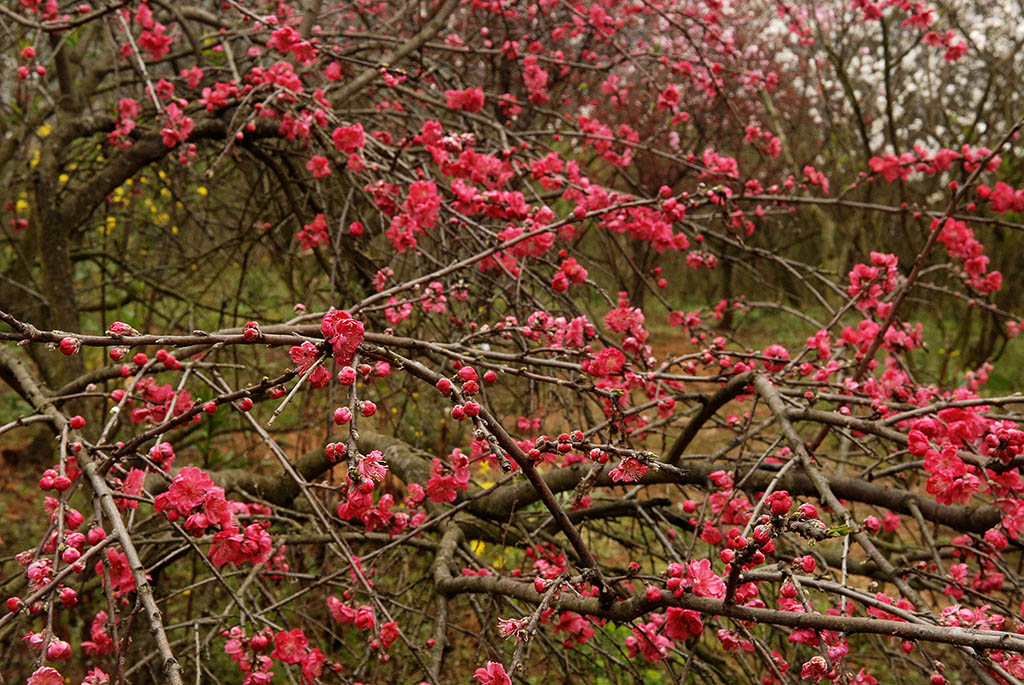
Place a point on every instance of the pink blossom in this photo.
(121, 578)
(816, 668)
(629, 470)
(647, 641)
(314, 233)
(468, 100)
(101, 642)
(608, 361)
(704, 581)
(508, 627)
(389, 632)
(46, 676)
(253, 545)
(189, 488)
(349, 139)
(319, 166)
(344, 333)
(682, 624)
(492, 674)
(372, 466)
(290, 646)
(312, 665)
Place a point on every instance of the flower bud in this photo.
(58, 650)
(68, 597)
(70, 346)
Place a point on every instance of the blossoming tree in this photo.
(402, 342)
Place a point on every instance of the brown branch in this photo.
(637, 606)
(429, 30)
(734, 387)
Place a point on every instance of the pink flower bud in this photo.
(58, 650)
(68, 597)
(779, 502)
(347, 375)
(74, 518)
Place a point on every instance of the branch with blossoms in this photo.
(410, 466)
